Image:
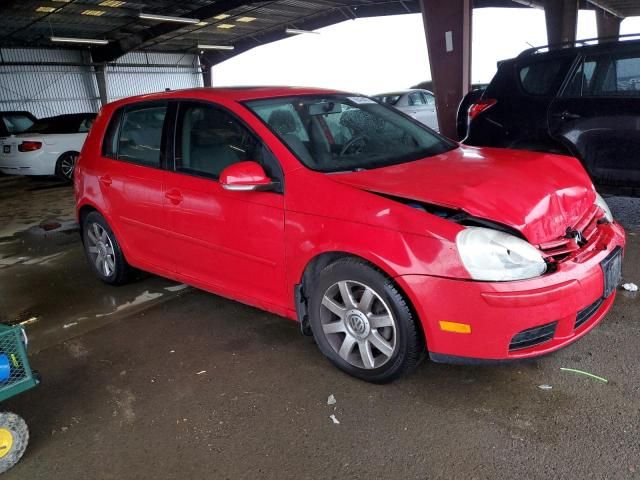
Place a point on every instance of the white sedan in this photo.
(417, 103)
(50, 147)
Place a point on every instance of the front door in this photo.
(598, 116)
(226, 241)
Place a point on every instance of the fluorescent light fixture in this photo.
(46, 9)
(222, 16)
(245, 19)
(91, 41)
(166, 18)
(225, 26)
(215, 47)
(112, 3)
(202, 24)
(295, 31)
(93, 13)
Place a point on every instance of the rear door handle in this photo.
(106, 180)
(567, 116)
(174, 196)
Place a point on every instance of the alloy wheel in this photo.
(358, 324)
(100, 249)
(67, 165)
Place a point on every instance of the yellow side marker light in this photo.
(455, 327)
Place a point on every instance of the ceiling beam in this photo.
(136, 40)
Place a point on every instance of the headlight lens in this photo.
(604, 207)
(496, 256)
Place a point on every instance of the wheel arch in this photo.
(317, 263)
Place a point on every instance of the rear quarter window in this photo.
(541, 78)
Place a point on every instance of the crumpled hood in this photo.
(538, 194)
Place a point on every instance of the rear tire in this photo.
(363, 324)
(66, 165)
(103, 251)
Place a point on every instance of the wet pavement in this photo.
(153, 380)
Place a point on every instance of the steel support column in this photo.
(207, 77)
(607, 23)
(448, 30)
(562, 21)
(101, 80)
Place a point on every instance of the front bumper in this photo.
(571, 298)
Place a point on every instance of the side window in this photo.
(582, 80)
(415, 98)
(140, 137)
(284, 120)
(209, 140)
(430, 99)
(617, 76)
(85, 125)
(539, 78)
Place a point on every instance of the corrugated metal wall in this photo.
(47, 90)
(126, 81)
(53, 90)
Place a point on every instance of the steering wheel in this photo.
(358, 141)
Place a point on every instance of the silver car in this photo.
(420, 104)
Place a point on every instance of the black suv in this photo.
(582, 101)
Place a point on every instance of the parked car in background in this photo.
(385, 240)
(582, 101)
(15, 122)
(49, 147)
(417, 103)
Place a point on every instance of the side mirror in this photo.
(246, 177)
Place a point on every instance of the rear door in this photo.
(598, 116)
(132, 183)
(430, 116)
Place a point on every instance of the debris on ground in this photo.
(201, 372)
(176, 288)
(545, 387)
(586, 374)
(630, 287)
(331, 400)
(334, 419)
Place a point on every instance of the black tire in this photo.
(18, 432)
(121, 272)
(62, 166)
(409, 346)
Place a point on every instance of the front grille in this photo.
(564, 247)
(586, 313)
(533, 336)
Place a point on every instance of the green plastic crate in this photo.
(21, 378)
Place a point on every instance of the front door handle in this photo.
(106, 180)
(174, 196)
(567, 115)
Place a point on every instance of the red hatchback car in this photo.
(382, 238)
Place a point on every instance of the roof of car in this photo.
(238, 94)
(401, 92)
(582, 46)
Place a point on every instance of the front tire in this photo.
(103, 251)
(363, 324)
(14, 437)
(66, 165)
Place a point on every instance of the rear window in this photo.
(135, 134)
(540, 78)
(16, 122)
(62, 124)
(388, 99)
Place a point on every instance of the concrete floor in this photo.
(154, 380)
